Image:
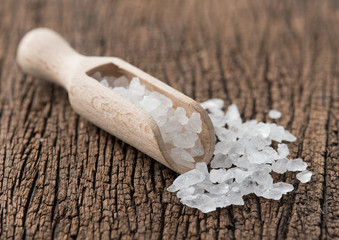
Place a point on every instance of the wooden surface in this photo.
(61, 177)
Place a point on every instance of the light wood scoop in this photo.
(44, 54)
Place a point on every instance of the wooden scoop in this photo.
(44, 54)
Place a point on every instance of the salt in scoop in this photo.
(45, 54)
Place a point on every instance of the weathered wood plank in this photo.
(61, 177)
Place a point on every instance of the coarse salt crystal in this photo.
(274, 114)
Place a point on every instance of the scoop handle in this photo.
(45, 54)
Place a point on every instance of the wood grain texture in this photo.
(80, 182)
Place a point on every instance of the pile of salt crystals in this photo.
(180, 133)
(243, 160)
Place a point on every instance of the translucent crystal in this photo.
(224, 134)
(184, 192)
(263, 130)
(194, 123)
(184, 163)
(181, 155)
(223, 147)
(104, 82)
(213, 103)
(165, 101)
(283, 187)
(272, 194)
(289, 136)
(221, 161)
(218, 175)
(276, 132)
(187, 179)
(136, 89)
(280, 166)
(202, 167)
(262, 177)
(202, 202)
(150, 103)
(198, 149)
(274, 114)
(185, 140)
(304, 176)
(121, 82)
(97, 76)
(296, 165)
(221, 188)
(283, 151)
(180, 115)
(233, 115)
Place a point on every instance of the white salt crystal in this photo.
(263, 130)
(198, 149)
(247, 186)
(259, 143)
(304, 176)
(221, 161)
(161, 120)
(262, 177)
(213, 103)
(181, 154)
(185, 140)
(104, 82)
(218, 175)
(236, 198)
(289, 136)
(257, 157)
(218, 121)
(97, 76)
(172, 126)
(270, 153)
(242, 162)
(223, 147)
(296, 165)
(180, 115)
(283, 151)
(216, 112)
(184, 192)
(136, 88)
(274, 114)
(121, 82)
(280, 166)
(194, 123)
(150, 103)
(232, 115)
(272, 194)
(220, 200)
(276, 132)
(240, 174)
(259, 190)
(187, 179)
(238, 148)
(184, 163)
(202, 202)
(165, 101)
(202, 167)
(283, 187)
(221, 188)
(122, 92)
(277, 190)
(224, 134)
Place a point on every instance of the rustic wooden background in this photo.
(80, 182)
